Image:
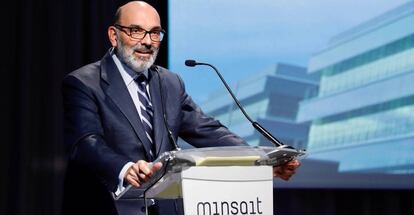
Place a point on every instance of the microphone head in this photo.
(190, 63)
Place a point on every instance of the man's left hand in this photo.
(286, 170)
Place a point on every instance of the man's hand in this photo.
(286, 170)
(141, 172)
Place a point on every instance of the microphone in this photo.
(164, 112)
(191, 63)
(256, 125)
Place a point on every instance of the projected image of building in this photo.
(363, 115)
(271, 98)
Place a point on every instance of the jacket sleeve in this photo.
(201, 130)
(84, 135)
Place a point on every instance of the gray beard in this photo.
(137, 64)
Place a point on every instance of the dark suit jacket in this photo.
(103, 130)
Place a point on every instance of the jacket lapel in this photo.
(158, 120)
(115, 88)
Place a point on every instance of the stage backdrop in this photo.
(45, 40)
(332, 77)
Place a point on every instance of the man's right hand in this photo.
(141, 172)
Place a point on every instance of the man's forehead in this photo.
(144, 16)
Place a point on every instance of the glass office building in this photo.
(272, 98)
(363, 115)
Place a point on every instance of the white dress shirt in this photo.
(133, 91)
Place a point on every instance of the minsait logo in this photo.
(252, 207)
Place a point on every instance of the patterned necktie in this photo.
(147, 112)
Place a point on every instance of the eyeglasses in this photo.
(138, 33)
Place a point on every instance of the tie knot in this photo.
(141, 79)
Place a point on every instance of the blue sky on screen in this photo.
(243, 37)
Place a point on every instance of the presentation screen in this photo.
(334, 78)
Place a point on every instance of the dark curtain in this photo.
(43, 41)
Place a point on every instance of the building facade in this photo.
(271, 98)
(363, 115)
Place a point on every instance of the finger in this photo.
(290, 166)
(133, 174)
(287, 169)
(135, 168)
(288, 174)
(282, 173)
(143, 167)
(282, 176)
(143, 177)
(277, 171)
(132, 181)
(294, 163)
(156, 166)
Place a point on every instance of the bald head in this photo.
(136, 35)
(137, 10)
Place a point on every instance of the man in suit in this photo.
(114, 124)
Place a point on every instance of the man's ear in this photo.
(112, 36)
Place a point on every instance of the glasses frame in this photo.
(150, 32)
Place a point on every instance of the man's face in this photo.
(138, 54)
(138, 57)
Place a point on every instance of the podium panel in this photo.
(227, 190)
(217, 180)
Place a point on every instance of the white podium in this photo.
(219, 180)
(227, 190)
